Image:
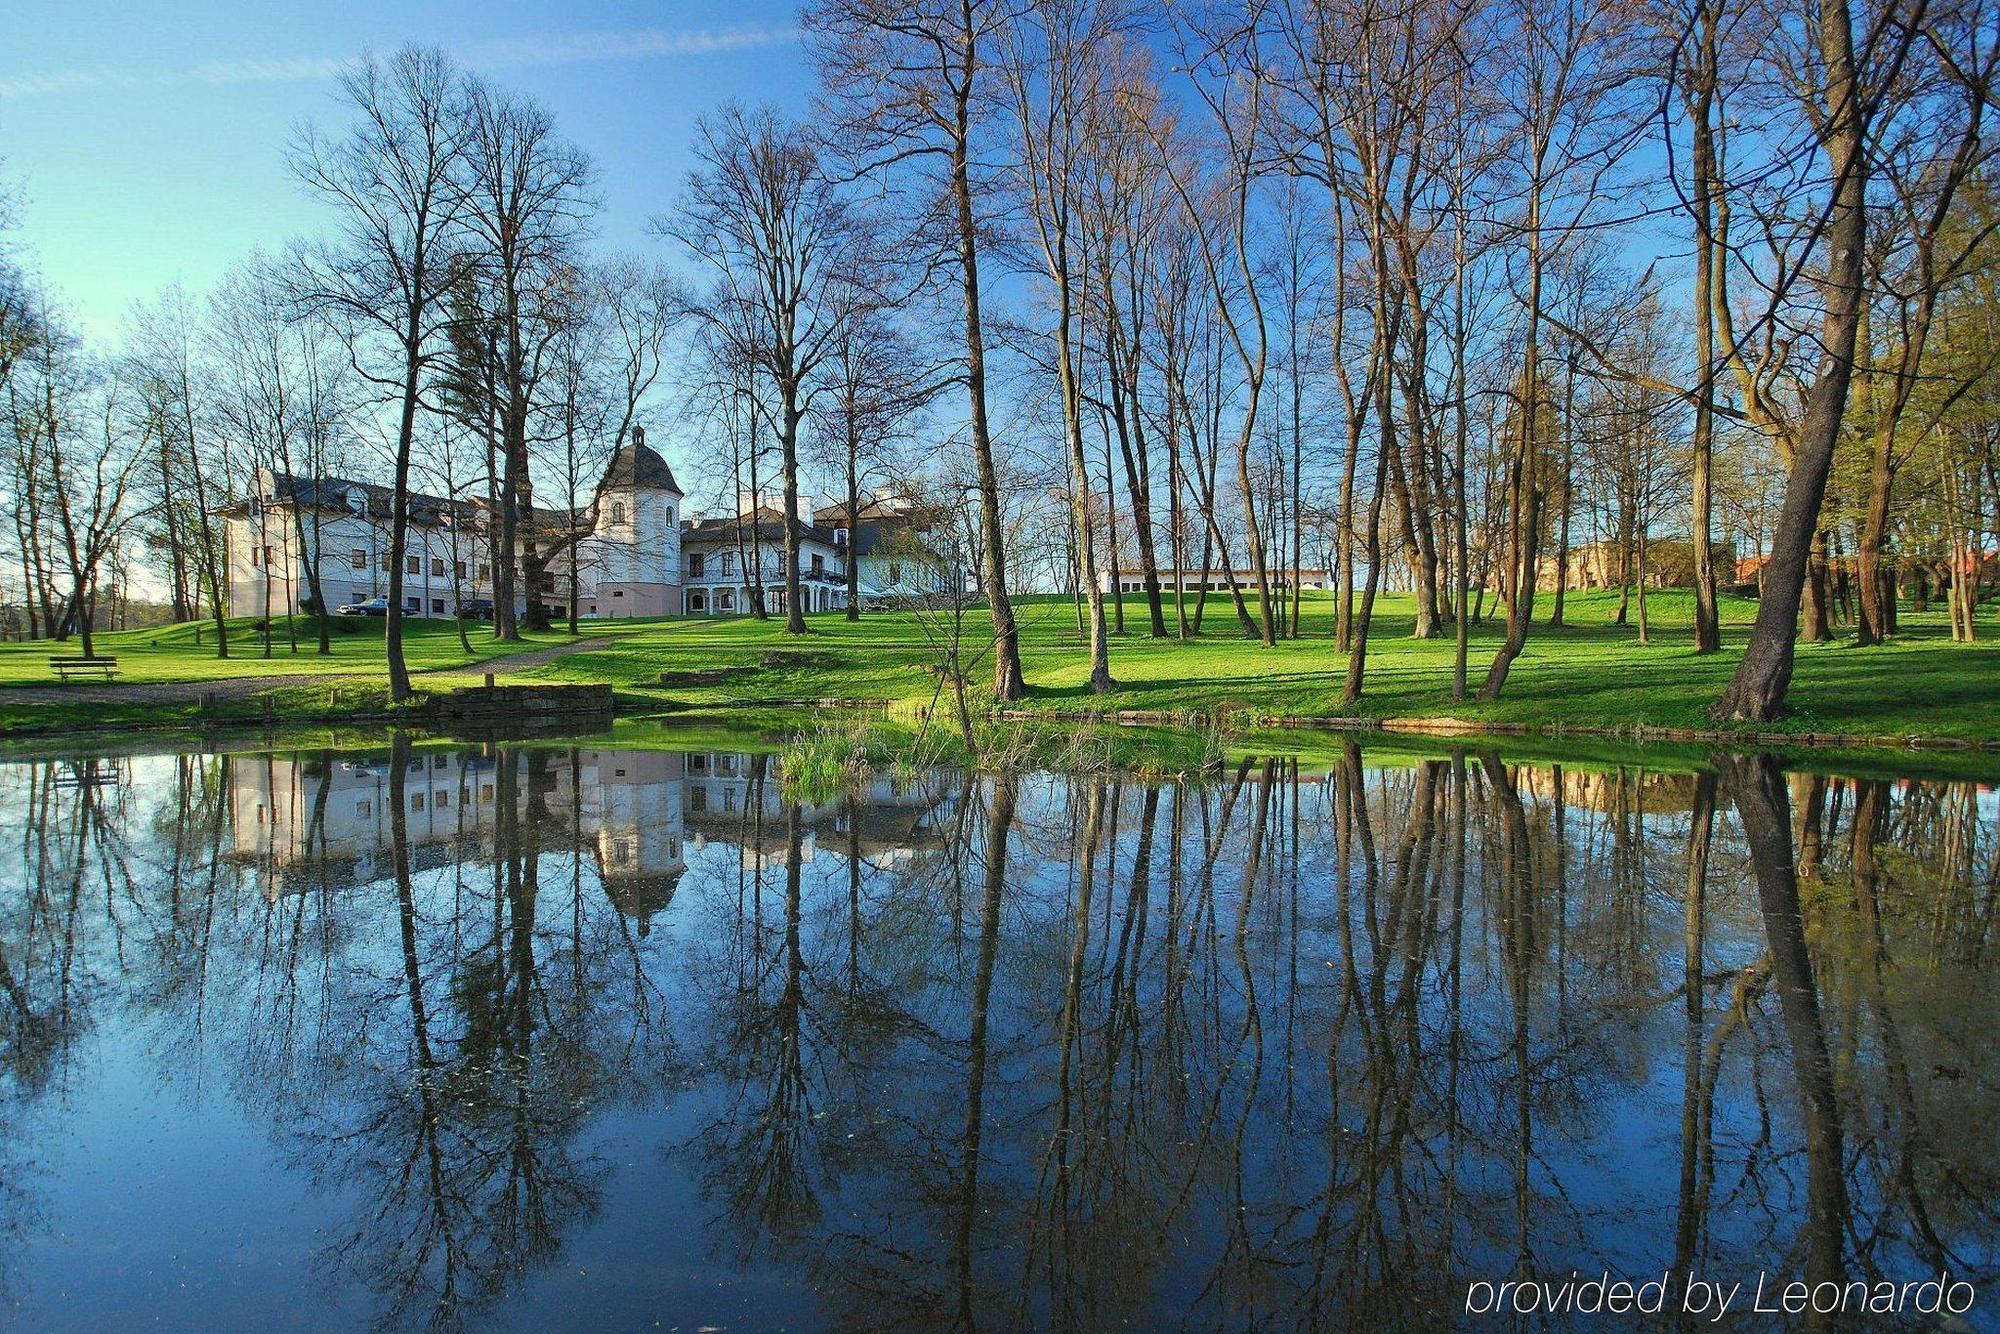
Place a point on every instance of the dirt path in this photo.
(520, 662)
(237, 687)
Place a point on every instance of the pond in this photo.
(534, 1035)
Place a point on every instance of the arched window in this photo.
(618, 513)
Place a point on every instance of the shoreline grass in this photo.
(1589, 675)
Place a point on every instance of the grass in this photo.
(1590, 674)
(186, 652)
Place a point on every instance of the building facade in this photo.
(630, 552)
(727, 558)
(621, 553)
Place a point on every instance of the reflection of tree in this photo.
(1757, 787)
(763, 1150)
(487, 1053)
(1095, 1050)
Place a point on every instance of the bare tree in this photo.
(909, 77)
(1054, 68)
(528, 203)
(394, 184)
(1844, 98)
(774, 231)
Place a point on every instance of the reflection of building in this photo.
(311, 823)
(1608, 790)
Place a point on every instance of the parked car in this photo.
(377, 606)
(476, 609)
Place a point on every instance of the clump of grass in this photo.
(820, 764)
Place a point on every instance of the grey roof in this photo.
(769, 527)
(638, 465)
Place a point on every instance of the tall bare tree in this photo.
(394, 182)
(775, 233)
(911, 81)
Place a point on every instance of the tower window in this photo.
(618, 513)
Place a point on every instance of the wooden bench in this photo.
(68, 667)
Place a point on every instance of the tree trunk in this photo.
(1008, 683)
(1757, 693)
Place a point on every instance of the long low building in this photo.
(1216, 581)
(631, 551)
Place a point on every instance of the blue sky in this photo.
(148, 139)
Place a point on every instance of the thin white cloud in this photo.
(510, 53)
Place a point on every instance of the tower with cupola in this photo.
(635, 543)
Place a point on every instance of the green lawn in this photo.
(1590, 674)
(186, 652)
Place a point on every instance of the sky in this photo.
(147, 141)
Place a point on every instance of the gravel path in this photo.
(235, 687)
(519, 662)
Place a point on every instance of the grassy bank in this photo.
(1591, 674)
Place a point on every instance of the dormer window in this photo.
(618, 513)
(840, 537)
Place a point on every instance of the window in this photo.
(364, 809)
(357, 559)
(271, 557)
(458, 569)
(840, 537)
(725, 601)
(437, 567)
(697, 563)
(618, 592)
(416, 801)
(413, 564)
(729, 562)
(819, 564)
(437, 605)
(441, 801)
(385, 562)
(413, 604)
(618, 513)
(482, 569)
(670, 516)
(895, 572)
(486, 792)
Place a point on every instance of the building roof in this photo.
(370, 500)
(769, 528)
(880, 523)
(638, 466)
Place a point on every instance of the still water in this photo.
(537, 1036)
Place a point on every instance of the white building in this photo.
(896, 558)
(626, 559)
(722, 553)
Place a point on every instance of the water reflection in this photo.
(511, 1034)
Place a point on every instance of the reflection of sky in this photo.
(244, 1079)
